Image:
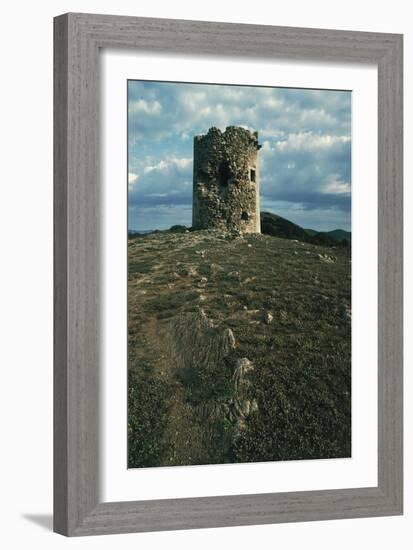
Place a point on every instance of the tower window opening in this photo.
(252, 175)
(223, 174)
(245, 216)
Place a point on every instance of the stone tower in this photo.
(226, 180)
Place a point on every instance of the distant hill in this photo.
(272, 224)
(336, 234)
(138, 234)
(339, 235)
(140, 231)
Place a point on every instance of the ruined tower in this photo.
(226, 180)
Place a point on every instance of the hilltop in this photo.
(239, 349)
(272, 224)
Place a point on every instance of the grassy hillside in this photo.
(272, 224)
(239, 349)
(339, 235)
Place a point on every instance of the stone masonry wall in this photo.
(226, 180)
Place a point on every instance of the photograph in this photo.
(239, 273)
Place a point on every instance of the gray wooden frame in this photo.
(78, 39)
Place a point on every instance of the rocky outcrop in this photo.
(198, 348)
(193, 340)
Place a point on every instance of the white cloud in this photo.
(183, 162)
(147, 107)
(336, 187)
(270, 134)
(307, 141)
(160, 166)
(164, 166)
(318, 116)
(165, 180)
(266, 147)
(272, 102)
(132, 180)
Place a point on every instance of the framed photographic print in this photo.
(228, 274)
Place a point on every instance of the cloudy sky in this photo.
(305, 160)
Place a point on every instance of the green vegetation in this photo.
(199, 302)
(178, 228)
(147, 406)
(272, 224)
(339, 235)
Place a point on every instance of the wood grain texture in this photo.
(60, 277)
(76, 276)
(390, 273)
(78, 38)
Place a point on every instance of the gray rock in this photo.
(228, 339)
(268, 318)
